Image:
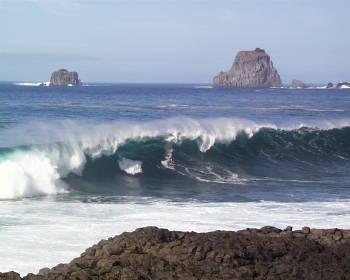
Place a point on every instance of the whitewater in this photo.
(38, 169)
(81, 164)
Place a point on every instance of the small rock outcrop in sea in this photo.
(330, 85)
(343, 85)
(297, 84)
(267, 253)
(64, 77)
(251, 69)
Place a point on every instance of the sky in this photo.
(172, 41)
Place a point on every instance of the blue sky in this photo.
(172, 41)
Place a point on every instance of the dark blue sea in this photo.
(78, 164)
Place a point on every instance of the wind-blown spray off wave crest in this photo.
(210, 150)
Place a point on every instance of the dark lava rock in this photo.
(10, 276)
(330, 85)
(297, 84)
(251, 69)
(64, 77)
(151, 253)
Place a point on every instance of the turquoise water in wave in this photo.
(78, 164)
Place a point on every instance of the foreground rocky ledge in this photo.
(266, 253)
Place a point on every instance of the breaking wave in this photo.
(50, 158)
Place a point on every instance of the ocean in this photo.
(79, 164)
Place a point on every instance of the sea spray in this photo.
(129, 166)
(29, 174)
(218, 150)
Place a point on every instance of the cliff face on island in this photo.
(64, 77)
(267, 253)
(251, 69)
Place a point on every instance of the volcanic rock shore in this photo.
(153, 254)
(251, 69)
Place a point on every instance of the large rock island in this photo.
(152, 253)
(64, 77)
(251, 69)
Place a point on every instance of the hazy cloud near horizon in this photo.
(171, 41)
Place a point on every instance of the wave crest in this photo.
(53, 152)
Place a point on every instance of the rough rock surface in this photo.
(64, 77)
(267, 253)
(251, 69)
(297, 84)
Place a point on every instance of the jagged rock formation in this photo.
(330, 85)
(267, 253)
(251, 69)
(63, 77)
(297, 84)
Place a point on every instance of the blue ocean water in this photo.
(78, 164)
(278, 144)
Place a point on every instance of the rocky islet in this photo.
(64, 77)
(251, 69)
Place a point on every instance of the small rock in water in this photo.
(298, 84)
(330, 85)
(343, 85)
(64, 77)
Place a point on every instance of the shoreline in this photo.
(154, 253)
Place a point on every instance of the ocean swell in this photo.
(220, 150)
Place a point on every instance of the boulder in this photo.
(251, 69)
(64, 77)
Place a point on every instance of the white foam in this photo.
(169, 149)
(27, 84)
(204, 87)
(26, 174)
(208, 175)
(129, 166)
